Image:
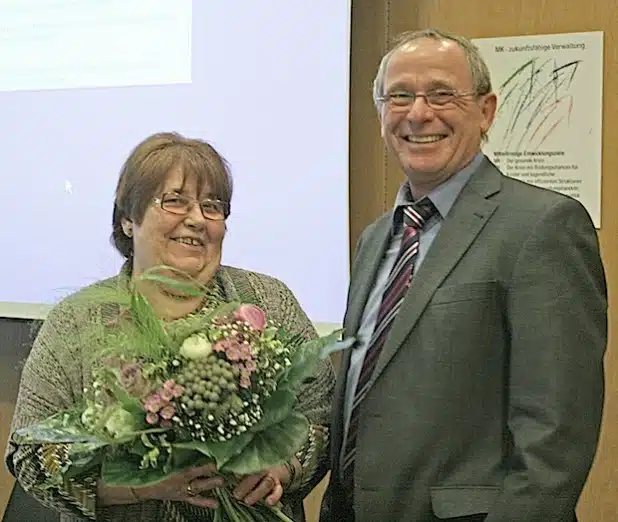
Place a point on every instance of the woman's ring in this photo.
(190, 491)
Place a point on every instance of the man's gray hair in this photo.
(479, 71)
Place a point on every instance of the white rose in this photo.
(195, 347)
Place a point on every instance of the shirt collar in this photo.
(445, 194)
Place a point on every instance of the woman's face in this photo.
(189, 242)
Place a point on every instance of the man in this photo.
(474, 387)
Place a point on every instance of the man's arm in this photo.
(557, 316)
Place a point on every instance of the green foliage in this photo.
(271, 447)
(219, 452)
(85, 458)
(141, 455)
(150, 339)
(185, 285)
(63, 427)
(125, 471)
(179, 330)
(276, 408)
(305, 360)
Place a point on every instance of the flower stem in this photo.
(232, 510)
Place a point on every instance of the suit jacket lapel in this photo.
(369, 258)
(370, 254)
(465, 220)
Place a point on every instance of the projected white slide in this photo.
(67, 44)
(82, 82)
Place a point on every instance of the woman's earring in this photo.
(128, 231)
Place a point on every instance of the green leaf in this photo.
(187, 288)
(305, 360)
(276, 408)
(180, 330)
(271, 447)
(124, 470)
(136, 435)
(184, 282)
(186, 458)
(145, 330)
(100, 294)
(223, 309)
(220, 452)
(129, 403)
(146, 319)
(85, 458)
(200, 447)
(63, 427)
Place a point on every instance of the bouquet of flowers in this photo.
(218, 386)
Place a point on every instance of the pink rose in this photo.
(251, 314)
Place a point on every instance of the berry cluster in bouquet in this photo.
(217, 386)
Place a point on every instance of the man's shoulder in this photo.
(515, 195)
(378, 223)
(519, 194)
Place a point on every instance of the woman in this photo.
(172, 200)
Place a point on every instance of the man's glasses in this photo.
(213, 209)
(437, 99)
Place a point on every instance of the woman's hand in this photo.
(266, 485)
(186, 486)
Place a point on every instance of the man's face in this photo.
(432, 143)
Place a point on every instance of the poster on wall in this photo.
(548, 125)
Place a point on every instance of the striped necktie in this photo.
(414, 218)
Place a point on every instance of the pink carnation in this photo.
(171, 390)
(166, 395)
(154, 403)
(231, 347)
(246, 351)
(245, 381)
(168, 412)
(251, 314)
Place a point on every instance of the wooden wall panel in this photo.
(369, 40)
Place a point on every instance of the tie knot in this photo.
(418, 213)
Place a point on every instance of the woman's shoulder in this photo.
(101, 292)
(269, 292)
(241, 278)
